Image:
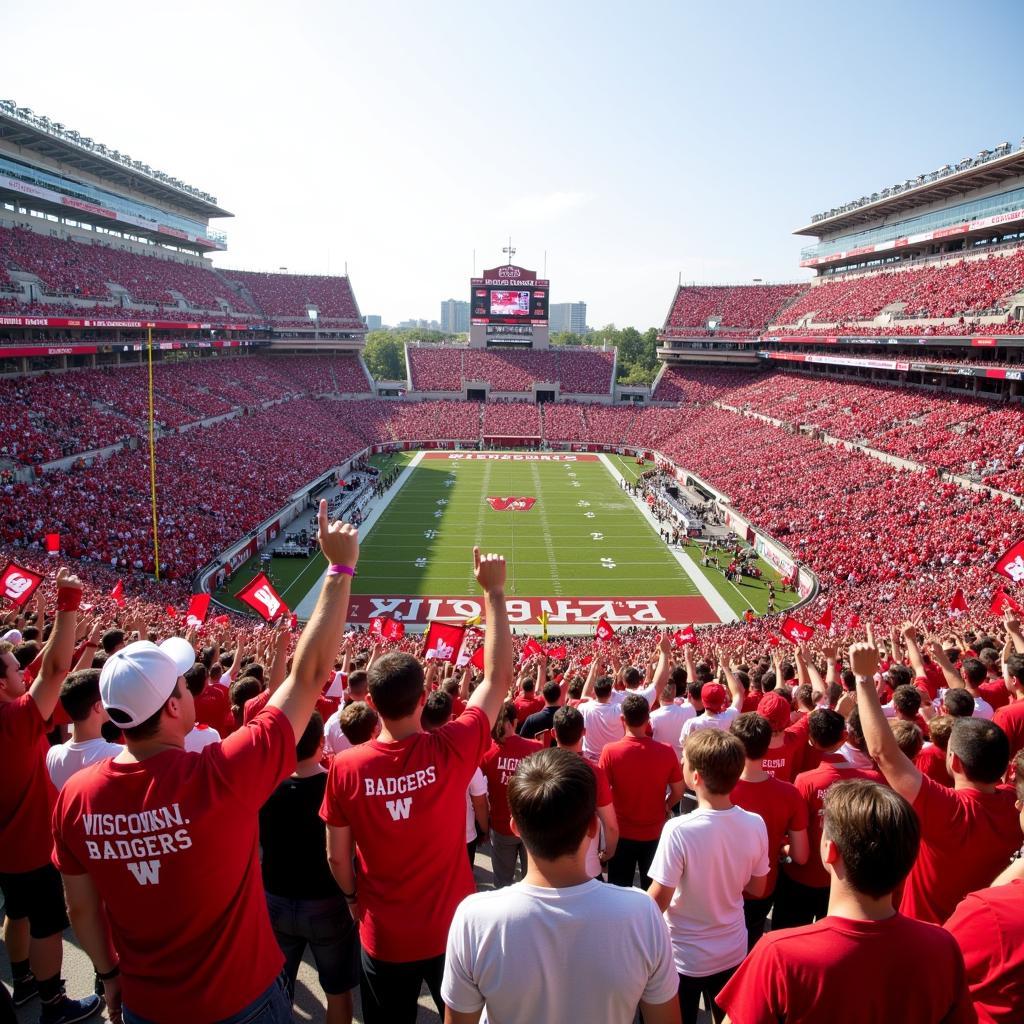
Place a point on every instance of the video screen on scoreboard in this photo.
(509, 305)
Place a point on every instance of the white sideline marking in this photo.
(308, 603)
(718, 603)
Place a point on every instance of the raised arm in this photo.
(60, 648)
(279, 666)
(314, 656)
(664, 668)
(949, 672)
(491, 693)
(909, 631)
(1012, 624)
(899, 771)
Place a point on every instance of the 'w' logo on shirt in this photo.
(396, 808)
(146, 872)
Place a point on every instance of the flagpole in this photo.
(152, 455)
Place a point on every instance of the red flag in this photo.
(683, 636)
(118, 594)
(198, 606)
(259, 593)
(774, 641)
(477, 661)
(1001, 601)
(18, 584)
(586, 660)
(222, 620)
(604, 631)
(443, 641)
(559, 653)
(531, 647)
(796, 631)
(1011, 564)
(959, 602)
(172, 611)
(387, 628)
(52, 543)
(825, 620)
(376, 626)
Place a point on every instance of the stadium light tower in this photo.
(509, 251)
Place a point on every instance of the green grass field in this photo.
(583, 537)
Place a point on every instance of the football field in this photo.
(578, 547)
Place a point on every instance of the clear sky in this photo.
(630, 141)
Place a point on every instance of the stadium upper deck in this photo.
(976, 202)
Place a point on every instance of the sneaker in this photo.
(25, 989)
(67, 1011)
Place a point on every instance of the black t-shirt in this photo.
(294, 841)
(538, 722)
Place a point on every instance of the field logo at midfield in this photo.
(511, 504)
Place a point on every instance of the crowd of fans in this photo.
(961, 288)
(769, 821)
(287, 297)
(579, 370)
(752, 306)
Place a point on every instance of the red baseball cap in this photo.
(776, 709)
(714, 697)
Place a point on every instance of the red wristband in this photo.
(68, 599)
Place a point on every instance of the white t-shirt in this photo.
(708, 857)
(648, 694)
(63, 760)
(603, 724)
(201, 736)
(982, 708)
(667, 724)
(477, 787)
(709, 720)
(589, 952)
(335, 740)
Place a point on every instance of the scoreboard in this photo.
(509, 295)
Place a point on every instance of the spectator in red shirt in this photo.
(1011, 718)
(639, 770)
(968, 833)
(528, 702)
(988, 925)
(499, 765)
(29, 882)
(780, 805)
(869, 841)
(162, 844)
(931, 761)
(406, 791)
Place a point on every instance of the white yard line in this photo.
(308, 603)
(549, 546)
(719, 605)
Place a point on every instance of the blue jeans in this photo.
(271, 1007)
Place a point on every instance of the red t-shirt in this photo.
(812, 786)
(1011, 720)
(842, 971)
(213, 707)
(782, 762)
(254, 705)
(499, 765)
(526, 706)
(782, 809)
(26, 795)
(988, 926)
(932, 762)
(639, 769)
(405, 802)
(751, 700)
(995, 693)
(171, 844)
(967, 838)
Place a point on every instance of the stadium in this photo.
(810, 458)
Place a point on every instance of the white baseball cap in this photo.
(12, 636)
(136, 680)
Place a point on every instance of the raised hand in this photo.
(489, 571)
(338, 541)
(863, 659)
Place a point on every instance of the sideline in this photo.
(305, 607)
(719, 605)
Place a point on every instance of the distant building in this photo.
(568, 316)
(454, 316)
(419, 325)
(373, 322)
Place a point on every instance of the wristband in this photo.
(68, 599)
(337, 570)
(109, 975)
